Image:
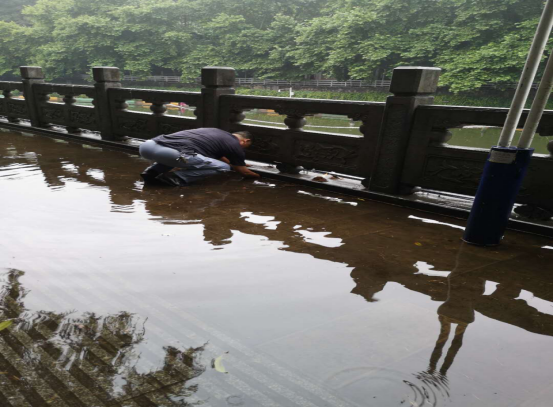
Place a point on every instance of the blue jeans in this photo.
(192, 167)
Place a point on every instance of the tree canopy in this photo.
(474, 41)
(11, 9)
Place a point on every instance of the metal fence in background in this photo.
(270, 82)
(317, 83)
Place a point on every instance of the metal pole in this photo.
(528, 74)
(506, 166)
(538, 106)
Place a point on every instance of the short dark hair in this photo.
(243, 135)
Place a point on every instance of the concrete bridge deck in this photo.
(240, 293)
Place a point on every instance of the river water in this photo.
(253, 293)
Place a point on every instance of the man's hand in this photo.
(243, 170)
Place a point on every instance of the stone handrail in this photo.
(145, 125)
(433, 164)
(402, 144)
(68, 114)
(14, 109)
(293, 147)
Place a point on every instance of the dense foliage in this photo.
(10, 10)
(474, 41)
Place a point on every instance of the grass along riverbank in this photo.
(492, 99)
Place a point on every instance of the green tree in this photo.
(14, 47)
(11, 10)
(474, 41)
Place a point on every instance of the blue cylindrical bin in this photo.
(499, 186)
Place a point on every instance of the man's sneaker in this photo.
(149, 175)
(170, 179)
(159, 168)
(150, 179)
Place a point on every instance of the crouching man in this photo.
(184, 157)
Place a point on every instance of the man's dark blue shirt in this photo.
(210, 142)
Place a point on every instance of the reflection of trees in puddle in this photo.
(50, 358)
(218, 205)
(374, 266)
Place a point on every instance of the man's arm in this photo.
(243, 170)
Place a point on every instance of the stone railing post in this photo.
(411, 86)
(30, 76)
(104, 79)
(217, 81)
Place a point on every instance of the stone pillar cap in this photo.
(218, 76)
(106, 74)
(29, 72)
(411, 81)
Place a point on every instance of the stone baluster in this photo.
(440, 137)
(367, 149)
(42, 97)
(158, 108)
(364, 119)
(105, 78)
(217, 81)
(8, 95)
(550, 148)
(197, 112)
(30, 76)
(236, 116)
(411, 86)
(295, 120)
(69, 101)
(120, 105)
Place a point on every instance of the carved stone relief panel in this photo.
(264, 145)
(537, 182)
(52, 114)
(133, 125)
(462, 173)
(17, 108)
(83, 119)
(167, 128)
(346, 156)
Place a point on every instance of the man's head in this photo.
(245, 139)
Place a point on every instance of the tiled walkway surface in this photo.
(241, 293)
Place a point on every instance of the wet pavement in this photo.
(253, 293)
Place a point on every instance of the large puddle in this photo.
(241, 293)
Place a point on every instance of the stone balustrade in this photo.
(401, 146)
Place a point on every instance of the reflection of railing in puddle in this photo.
(371, 272)
(462, 291)
(51, 358)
